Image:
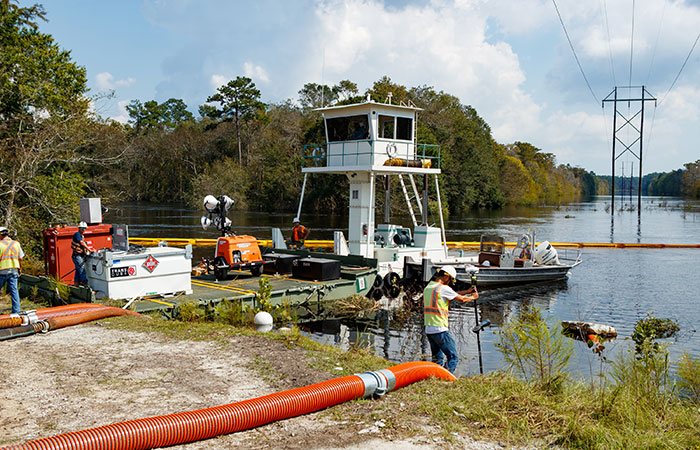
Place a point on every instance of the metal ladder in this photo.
(409, 200)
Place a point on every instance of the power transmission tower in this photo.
(636, 123)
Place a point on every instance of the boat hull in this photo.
(501, 276)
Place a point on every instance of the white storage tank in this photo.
(148, 271)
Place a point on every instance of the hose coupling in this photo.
(41, 326)
(378, 383)
(28, 317)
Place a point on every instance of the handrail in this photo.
(317, 155)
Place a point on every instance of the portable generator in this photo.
(232, 252)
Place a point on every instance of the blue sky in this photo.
(507, 58)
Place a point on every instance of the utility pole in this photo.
(632, 123)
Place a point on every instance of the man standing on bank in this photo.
(436, 301)
(80, 252)
(11, 255)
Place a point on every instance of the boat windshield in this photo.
(491, 244)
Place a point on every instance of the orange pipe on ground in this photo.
(10, 321)
(180, 428)
(88, 316)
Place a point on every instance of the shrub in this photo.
(539, 353)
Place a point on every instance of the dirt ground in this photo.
(91, 375)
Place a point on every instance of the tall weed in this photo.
(537, 352)
(689, 378)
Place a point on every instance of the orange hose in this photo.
(56, 311)
(180, 428)
(6, 321)
(10, 322)
(88, 316)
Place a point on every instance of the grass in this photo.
(496, 407)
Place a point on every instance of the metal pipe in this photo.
(301, 198)
(442, 221)
(190, 426)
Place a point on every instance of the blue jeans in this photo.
(80, 272)
(441, 345)
(11, 278)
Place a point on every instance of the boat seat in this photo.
(494, 259)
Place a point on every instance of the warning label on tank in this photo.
(150, 264)
(126, 271)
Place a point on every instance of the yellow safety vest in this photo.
(9, 254)
(435, 308)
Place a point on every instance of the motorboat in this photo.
(527, 262)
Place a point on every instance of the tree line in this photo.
(55, 149)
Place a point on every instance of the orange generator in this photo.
(237, 253)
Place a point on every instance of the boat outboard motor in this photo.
(546, 255)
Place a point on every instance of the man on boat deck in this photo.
(299, 234)
(436, 301)
(11, 255)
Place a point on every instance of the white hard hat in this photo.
(450, 270)
(296, 220)
(4, 230)
(82, 225)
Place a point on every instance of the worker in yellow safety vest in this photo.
(436, 305)
(11, 255)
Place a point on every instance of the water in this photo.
(616, 287)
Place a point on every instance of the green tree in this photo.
(47, 137)
(239, 100)
(314, 95)
(166, 115)
(345, 90)
(383, 87)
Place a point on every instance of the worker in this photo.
(11, 255)
(436, 299)
(80, 252)
(299, 234)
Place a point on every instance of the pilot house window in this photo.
(351, 128)
(403, 128)
(401, 125)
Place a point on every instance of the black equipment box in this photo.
(278, 263)
(320, 269)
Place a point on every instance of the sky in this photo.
(509, 59)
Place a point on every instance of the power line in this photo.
(682, 67)
(656, 44)
(574, 52)
(607, 29)
(631, 45)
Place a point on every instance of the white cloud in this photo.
(123, 116)
(441, 44)
(105, 81)
(256, 73)
(217, 80)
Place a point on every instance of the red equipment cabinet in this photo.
(58, 261)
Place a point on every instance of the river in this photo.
(615, 287)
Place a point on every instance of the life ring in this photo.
(391, 150)
(318, 153)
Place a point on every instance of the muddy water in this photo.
(616, 287)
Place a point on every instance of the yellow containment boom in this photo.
(178, 242)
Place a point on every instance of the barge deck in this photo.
(307, 298)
